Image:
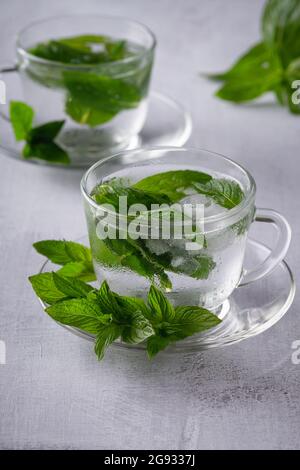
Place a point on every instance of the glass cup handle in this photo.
(4, 69)
(277, 254)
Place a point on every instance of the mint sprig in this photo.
(149, 258)
(39, 141)
(110, 316)
(75, 259)
(270, 65)
(94, 97)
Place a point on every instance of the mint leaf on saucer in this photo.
(161, 308)
(21, 116)
(46, 289)
(62, 251)
(71, 287)
(106, 334)
(39, 141)
(75, 258)
(78, 269)
(110, 316)
(127, 312)
(80, 313)
(172, 324)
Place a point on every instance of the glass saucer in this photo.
(167, 124)
(249, 311)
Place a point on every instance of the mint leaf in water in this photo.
(39, 140)
(95, 99)
(227, 193)
(82, 49)
(21, 116)
(172, 184)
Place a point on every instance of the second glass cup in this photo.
(92, 72)
(206, 203)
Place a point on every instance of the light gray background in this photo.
(53, 393)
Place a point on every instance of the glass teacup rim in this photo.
(32, 58)
(231, 214)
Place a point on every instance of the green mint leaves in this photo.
(174, 185)
(110, 316)
(95, 99)
(149, 258)
(21, 116)
(174, 324)
(270, 65)
(75, 259)
(84, 49)
(94, 96)
(40, 141)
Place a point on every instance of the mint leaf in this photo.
(94, 99)
(183, 322)
(45, 288)
(135, 325)
(155, 344)
(75, 258)
(71, 287)
(40, 143)
(106, 334)
(45, 133)
(265, 66)
(281, 29)
(48, 151)
(21, 116)
(129, 313)
(81, 49)
(39, 140)
(172, 184)
(62, 251)
(255, 59)
(82, 114)
(79, 313)
(190, 320)
(110, 192)
(227, 193)
(51, 287)
(248, 88)
(161, 308)
(78, 269)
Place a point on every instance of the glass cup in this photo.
(205, 265)
(104, 105)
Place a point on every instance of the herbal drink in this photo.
(202, 273)
(96, 83)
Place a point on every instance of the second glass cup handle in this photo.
(5, 69)
(277, 254)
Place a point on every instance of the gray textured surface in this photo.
(53, 393)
